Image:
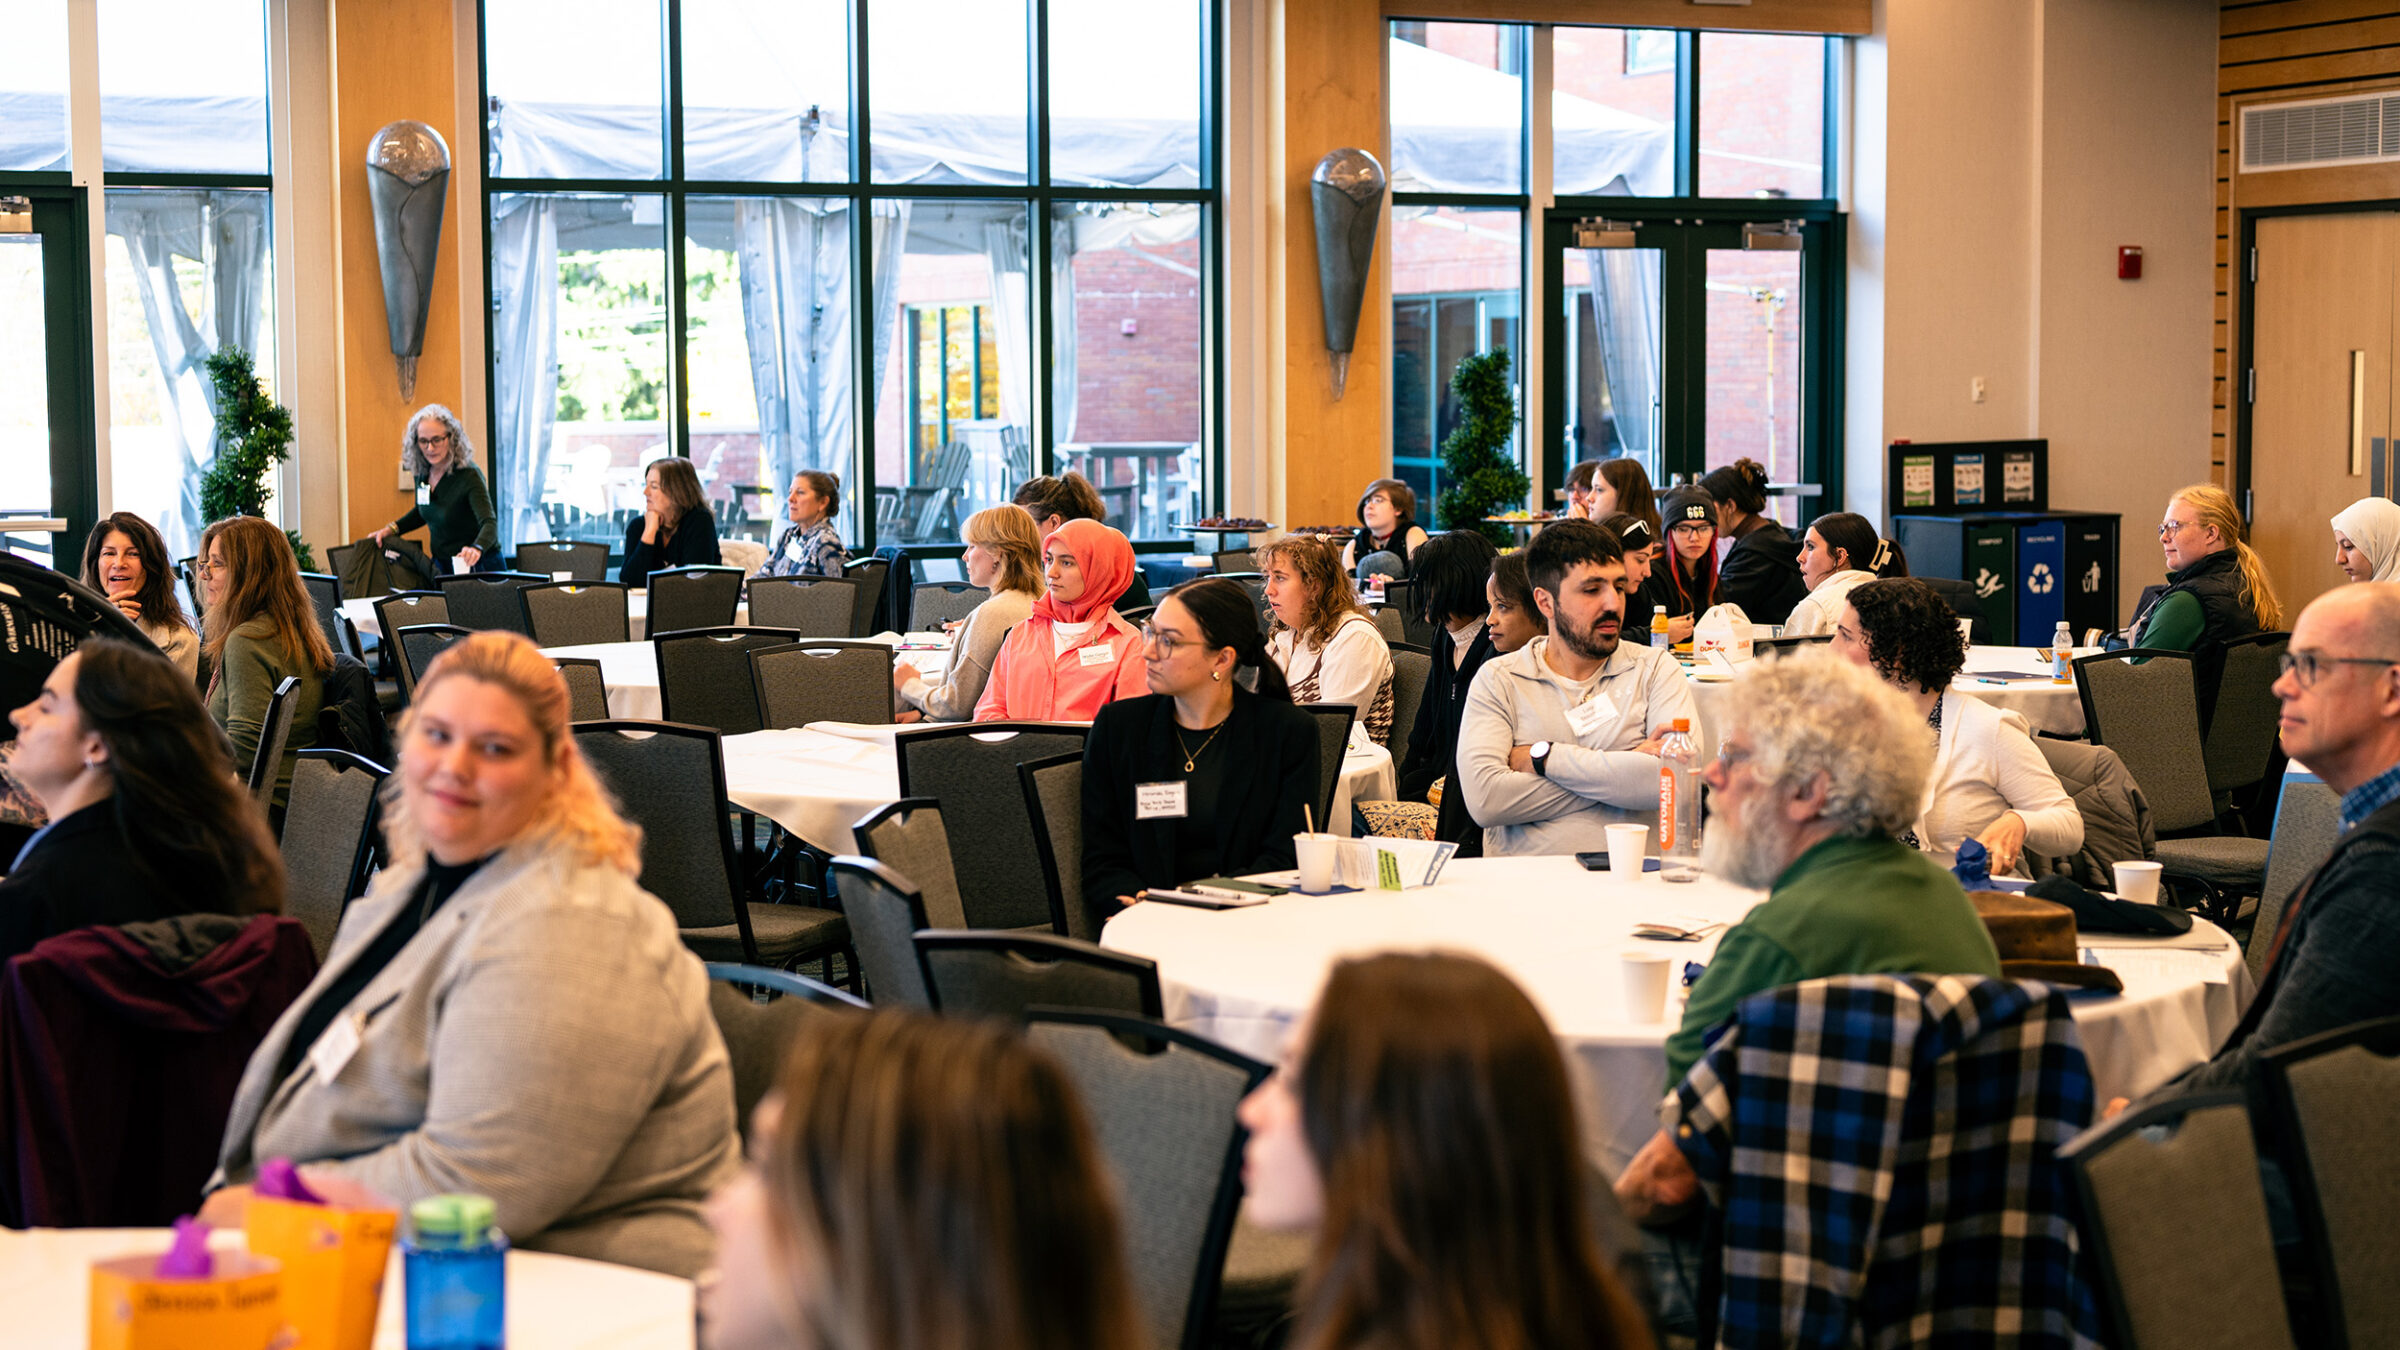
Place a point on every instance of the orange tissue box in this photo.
(240, 1307)
(334, 1260)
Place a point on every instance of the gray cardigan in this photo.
(545, 1040)
(972, 651)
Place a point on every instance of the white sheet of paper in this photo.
(1160, 801)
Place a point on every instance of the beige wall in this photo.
(2016, 145)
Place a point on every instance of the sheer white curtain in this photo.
(795, 260)
(225, 233)
(1008, 258)
(1625, 311)
(525, 350)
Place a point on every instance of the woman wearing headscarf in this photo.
(2366, 539)
(1073, 655)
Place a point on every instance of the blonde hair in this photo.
(579, 813)
(1010, 532)
(2213, 509)
(1319, 567)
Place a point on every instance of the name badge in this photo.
(791, 548)
(1591, 714)
(1160, 801)
(1101, 654)
(335, 1047)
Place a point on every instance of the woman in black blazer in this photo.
(146, 818)
(675, 528)
(1201, 777)
(1452, 570)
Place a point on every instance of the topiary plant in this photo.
(254, 434)
(1479, 476)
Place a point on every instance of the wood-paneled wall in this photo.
(2273, 51)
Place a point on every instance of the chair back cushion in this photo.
(971, 769)
(814, 607)
(909, 837)
(578, 613)
(328, 833)
(587, 689)
(1054, 800)
(885, 912)
(2141, 704)
(693, 597)
(2240, 740)
(2308, 819)
(669, 781)
(704, 675)
(823, 680)
(1333, 744)
(980, 973)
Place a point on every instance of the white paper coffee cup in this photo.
(1315, 853)
(1644, 976)
(2138, 881)
(1627, 844)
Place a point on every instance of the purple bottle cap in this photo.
(188, 1258)
(278, 1179)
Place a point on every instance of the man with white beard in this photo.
(1820, 766)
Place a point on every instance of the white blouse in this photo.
(1820, 610)
(1984, 766)
(1354, 668)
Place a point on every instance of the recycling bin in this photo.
(2030, 569)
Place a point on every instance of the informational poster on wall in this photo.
(2016, 477)
(1916, 480)
(1966, 480)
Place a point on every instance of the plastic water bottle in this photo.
(1658, 629)
(455, 1264)
(1679, 794)
(2062, 654)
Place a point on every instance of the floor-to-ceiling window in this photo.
(1686, 275)
(933, 247)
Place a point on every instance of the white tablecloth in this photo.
(2044, 705)
(1244, 977)
(361, 614)
(554, 1302)
(816, 781)
(630, 669)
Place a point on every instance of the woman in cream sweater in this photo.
(1004, 556)
(1330, 651)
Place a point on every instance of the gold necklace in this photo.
(1191, 757)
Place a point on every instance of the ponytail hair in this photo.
(2213, 508)
(1862, 549)
(1228, 618)
(1741, 485)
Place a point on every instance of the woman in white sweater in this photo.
(1330, 651)
(1989, 781)
(1838, 553)
(1004, 556)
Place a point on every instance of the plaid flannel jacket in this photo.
(1881, 1151)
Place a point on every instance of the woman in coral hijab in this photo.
(1074, 655)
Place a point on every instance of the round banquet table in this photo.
(2045, 705)
(818, 780)
(630, 669)
(554, 1302)
(1244, 977)
(361, 614)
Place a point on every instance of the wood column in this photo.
(1329, 61)
(394, 59)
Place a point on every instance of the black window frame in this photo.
(1038, 194)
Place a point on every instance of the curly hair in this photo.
(1912, 637)
(412, 455)
(579, 811)
(1817, 713)
(1319, 568)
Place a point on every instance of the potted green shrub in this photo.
(254, 434)
(1479, 476)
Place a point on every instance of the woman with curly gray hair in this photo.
(1818, 765)
(454, 503)
(1989, 781)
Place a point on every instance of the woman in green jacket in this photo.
(260, 630)
(454, 503)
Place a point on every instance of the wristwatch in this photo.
(1539, 753)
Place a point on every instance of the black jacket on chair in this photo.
(1269, 751)
(1432, 750)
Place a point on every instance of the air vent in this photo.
(2321, 133)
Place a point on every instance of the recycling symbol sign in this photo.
(2040, 581)
(1987, 584)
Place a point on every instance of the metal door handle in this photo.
(2358, 413)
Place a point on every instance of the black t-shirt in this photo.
(438, 885)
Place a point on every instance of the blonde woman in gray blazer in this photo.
(505, 1012)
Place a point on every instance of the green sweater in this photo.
(1847, 906)
(456, 512)
(2176, 625)
(252, 665)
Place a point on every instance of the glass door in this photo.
(1691, 341)
(47, 500)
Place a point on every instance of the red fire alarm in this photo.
(2129, 263)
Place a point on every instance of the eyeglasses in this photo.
(438, 438)
(2306, 668)
(2169, 527)
(1729, 754)
(1163, 644)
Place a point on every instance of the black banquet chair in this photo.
(329, 838)
(587, 690)
(822, 680)
(586, 559)
(489, 600)
(693, 597)
(704, 675)
(971, 769)
(762, 1014)
(978, 973)
(578, 613)
(815, 607)
(934, 603)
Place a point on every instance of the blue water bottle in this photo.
(455, 1266)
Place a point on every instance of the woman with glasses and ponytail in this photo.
(2216, 589)
(1838, 553)
(1211, 773)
